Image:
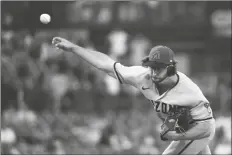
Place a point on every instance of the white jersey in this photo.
(184, 93)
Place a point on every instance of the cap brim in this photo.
(153, 64)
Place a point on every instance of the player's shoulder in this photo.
(185, 79)
(182, 75)
(188, 86)
(133, 74)
(133, 70)
(141, 69)
(140, 72)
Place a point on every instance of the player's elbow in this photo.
(194, 135)
(204, 135)
(200, 135)
(106, 66)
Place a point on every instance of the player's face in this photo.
(159, 74)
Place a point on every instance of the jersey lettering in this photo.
(172, 108)
(157, 107)
(163, 107)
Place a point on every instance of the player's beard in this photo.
(160, 77)
(158, 80)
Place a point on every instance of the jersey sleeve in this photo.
(127, 75)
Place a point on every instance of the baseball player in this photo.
(178, 101)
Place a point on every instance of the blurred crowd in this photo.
(55, 103)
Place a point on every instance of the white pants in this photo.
(192, 147)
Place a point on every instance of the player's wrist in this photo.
(73, 48)
(177, 136)
(76, 49)
(171, 135)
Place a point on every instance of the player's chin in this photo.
(156, 80)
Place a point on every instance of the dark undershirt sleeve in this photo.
(119, 77)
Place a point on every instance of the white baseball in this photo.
(45, 18)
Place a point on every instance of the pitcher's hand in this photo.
(62, 43)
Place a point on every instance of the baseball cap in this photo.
(160, 56)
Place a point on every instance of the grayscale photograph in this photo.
(116, 77)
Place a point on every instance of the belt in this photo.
(197, 120)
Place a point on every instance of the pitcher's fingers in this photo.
(56, 40)
(57, 45)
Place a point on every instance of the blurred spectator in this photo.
(129, 12)
(118, 43)
(105, 14)
(222, 140)
(118, 47)
(56, 147)
(139, 46)
(147, 146)
(8, 136)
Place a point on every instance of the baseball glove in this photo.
(177, 120)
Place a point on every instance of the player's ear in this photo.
(171, 70)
